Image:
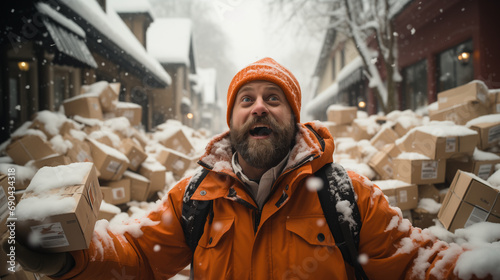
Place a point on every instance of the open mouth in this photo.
(260, 131)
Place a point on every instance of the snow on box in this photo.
(400, 194)
(58, 211)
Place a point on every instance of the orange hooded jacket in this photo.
(282, 244)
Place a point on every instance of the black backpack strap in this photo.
(194, 212)
(337, 187)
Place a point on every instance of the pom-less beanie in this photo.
(266, 69)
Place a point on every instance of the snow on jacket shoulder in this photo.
(287, 239)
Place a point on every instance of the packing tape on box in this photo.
(475, 213)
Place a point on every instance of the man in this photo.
(264, 223)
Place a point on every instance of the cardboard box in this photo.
(399, 193)
(339, 130)
(84, 105)
(29, 147)
(107, 95)
(391, 150)
(349, 148)
(139, 186)
(401, 129)
(361, 131)
(473, 91)
(385, 136)
(80, 152)
(382, 164)
(429, 191)
(52, 160)
(116, 192)
(341, 114)
(110, 162)
(489, 134)
(469, 200)
(132, 111)
(422, 218)
(177, 141)
(419, 171)
(73, 227)
(174, 161)
(134, 153)
(482, 168)
(461, 113)
(155, 172)
(437, 147)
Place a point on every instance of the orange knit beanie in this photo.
(269, 70)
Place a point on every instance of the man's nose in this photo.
(260, 108)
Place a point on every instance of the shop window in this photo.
(415, 86)
(455, 66)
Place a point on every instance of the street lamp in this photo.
(189, 115)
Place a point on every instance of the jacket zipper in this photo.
(256, 218)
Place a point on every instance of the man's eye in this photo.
(246, 99)
(273, 98)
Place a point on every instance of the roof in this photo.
(169, 40)
(112, 27)
(130, 6)
(208, 82)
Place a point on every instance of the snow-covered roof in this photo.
(208, 78)
(115, 29)
(130, 6)
(169, 40)
(59, 18)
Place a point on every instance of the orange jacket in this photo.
(282, 244)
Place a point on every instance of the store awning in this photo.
(70, 44)
(68, 37)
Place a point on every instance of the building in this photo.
(51, 48)
(169, 40)
(433, 37)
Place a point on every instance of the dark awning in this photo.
(68, 37)
(70, 44)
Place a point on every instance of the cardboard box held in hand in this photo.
(58, 211)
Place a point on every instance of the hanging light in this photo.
(23, 66)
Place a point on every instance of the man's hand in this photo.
(46, 263)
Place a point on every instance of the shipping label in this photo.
(476, 216)
(82, 156)
(494, 134)
(498, 108)
(484, 171)
(392, 200)
(50, 235)
(113, 166)
(403, 196)
(388, 169)
(429, 169)
(118, 193)
(451, 144)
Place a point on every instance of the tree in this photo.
(368, 24)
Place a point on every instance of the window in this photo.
(451, 71)
(415, 85)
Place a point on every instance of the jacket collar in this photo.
(313, 147)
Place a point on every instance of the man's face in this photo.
(262, 124)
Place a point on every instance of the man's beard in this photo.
(263, 153)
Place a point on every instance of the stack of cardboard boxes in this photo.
(426, 158)
(129, 164)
